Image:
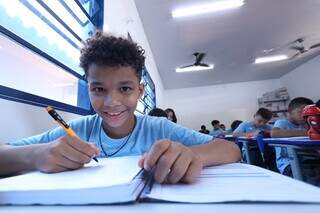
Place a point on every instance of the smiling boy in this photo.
(113, 69)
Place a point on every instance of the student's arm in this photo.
(241, 131)
(247, 134)
(285, 133)
(174, 162)
(63, 154)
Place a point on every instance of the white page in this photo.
(107, 172)
(238, 182)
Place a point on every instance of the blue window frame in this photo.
(148, 101)
(54, 30)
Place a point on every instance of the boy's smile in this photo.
(114, 92)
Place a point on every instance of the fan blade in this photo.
(300, 49)
(186, 66)
(199, 58)
(203, 65)
(315, 46)
(296, 55)
(297, 41)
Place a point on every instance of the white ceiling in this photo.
(232, 39)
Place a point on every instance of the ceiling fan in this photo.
(198, 65)
(297, 45)
(301, 48)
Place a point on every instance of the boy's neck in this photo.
(293, 121)
(120, 132)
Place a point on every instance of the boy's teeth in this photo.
(118, 113)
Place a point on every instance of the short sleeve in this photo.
(186, 136)
(240, 128)
(281, 124)
(82, 126)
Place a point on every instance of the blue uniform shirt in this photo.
(146, 132)
(216, 132)
(246, 127)
(281, 153)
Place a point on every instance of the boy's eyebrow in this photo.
(95, 83)
(126, 82)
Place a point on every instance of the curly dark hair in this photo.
(108, 50)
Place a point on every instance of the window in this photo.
(148, 101)
(54, 31)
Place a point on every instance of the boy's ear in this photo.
(141, 90)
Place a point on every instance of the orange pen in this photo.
(63, 124)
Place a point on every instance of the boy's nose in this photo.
(112, 99)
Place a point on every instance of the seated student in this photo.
(216, 131)
(171, 115)
(293, 126)
(252, 128)
(157, 112)
(204, 130)
(113, 69)
(235, 124)
(223, 127)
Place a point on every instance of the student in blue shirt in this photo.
(113, 68)
(293, 126)
(251, 129)
(216, 131)
(259, 123)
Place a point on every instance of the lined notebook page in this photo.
(237, 182)
(107, 172)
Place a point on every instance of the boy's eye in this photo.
(125, 89)
(97, 89)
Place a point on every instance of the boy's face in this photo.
(296, 115)
(170, 115)
(259, 121)
(217, 126)
(114, 92)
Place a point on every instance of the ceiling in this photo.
(231, 39)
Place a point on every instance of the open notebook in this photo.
(120, 180)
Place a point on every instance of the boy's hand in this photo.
(253, 134)
(65, 153)
(173, 162)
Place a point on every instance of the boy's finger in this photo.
(74, 155)
(156, 151)
(179, 168)
(81, 146)
(97, 150)
(67, 163)
(165, 162)
(192, 173)
(141, 160)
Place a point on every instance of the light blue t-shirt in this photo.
(146, 132)
(281, 153)
(246, 127)
(216, 132)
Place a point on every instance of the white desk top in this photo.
(168, 207)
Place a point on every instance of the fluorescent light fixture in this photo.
(270, 59)
(207, 8)
(194, 68)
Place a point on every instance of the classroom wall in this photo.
(304, 80)
(23, 120)
(225, 102)
(121, 17)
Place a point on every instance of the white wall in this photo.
(121, 17)
(304, 80)
(23, 120)
(225, 102)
